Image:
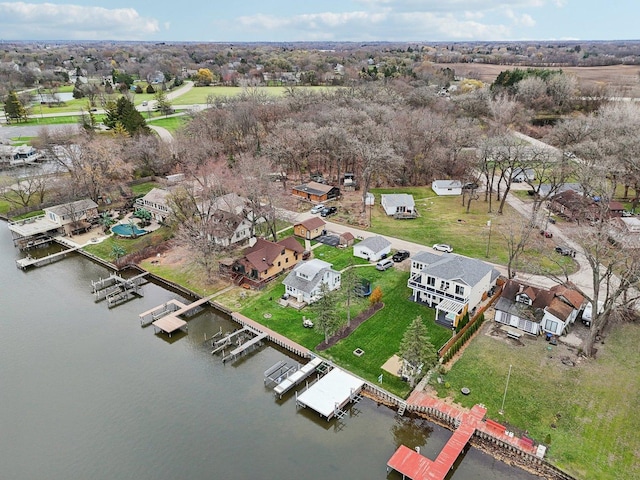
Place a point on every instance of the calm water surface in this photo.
(86, 393)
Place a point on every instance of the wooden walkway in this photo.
(170, 322)
(417, 467)
(272, 336)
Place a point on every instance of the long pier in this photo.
(30, 261)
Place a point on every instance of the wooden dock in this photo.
(417, 467)
(170, 321)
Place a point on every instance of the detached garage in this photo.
(372, 248)
(446, 187)
(316, 192)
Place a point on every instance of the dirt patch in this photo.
(355, 323)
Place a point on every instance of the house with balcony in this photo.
(156, 203)
(304, 282)
(451, 284)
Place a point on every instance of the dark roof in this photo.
(314, 188)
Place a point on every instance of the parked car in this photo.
(382, 265)
(400, 255)
(470, 186)
(326, 211)
(318, 208)
(546, 233)
(443, 247)
(566, 251)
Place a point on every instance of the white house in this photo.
(305, 280)
(537, 310)
(155, 202)
(398, 204)
(446, 187)
(452, 284)
(372, 248)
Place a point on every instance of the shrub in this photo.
(150, 89)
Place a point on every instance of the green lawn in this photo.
(104, 249)
(198, 95)
(171, 123)
(340, 258)
(379, 336)
(588, 413)
(143, 188)
(444, 220)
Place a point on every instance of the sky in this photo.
(325, 20)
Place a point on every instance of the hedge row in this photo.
(463, 339)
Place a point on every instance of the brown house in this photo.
(310, 228)
(266, 259)
(316, 192)
(347, 239)
(576, 207)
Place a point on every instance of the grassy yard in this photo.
(444, 220)
(143, 188)
(104, 249)
(198, 95)
(587, 414)
(379, 336)
(340, 258)
(171, 123)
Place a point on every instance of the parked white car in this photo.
(317, 208)
(443, 247)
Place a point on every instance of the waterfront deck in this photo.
(171, 322)
(417, 467)
(329, 395)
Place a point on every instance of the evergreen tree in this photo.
(348, 282)
(124, 111)
(163, 105)
(326, 310)
(13, 108)
(416, 350)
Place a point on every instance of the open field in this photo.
(171, 123)
(622, 78)
(198, 95)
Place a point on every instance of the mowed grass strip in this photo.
(587, 414)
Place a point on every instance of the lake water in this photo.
(86, 393)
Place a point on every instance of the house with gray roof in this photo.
(372, 248)
(452, 284)
(398, 204)
(305, 280)
(156, 203)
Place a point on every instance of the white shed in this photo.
(447, 187)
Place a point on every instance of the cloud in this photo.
(74, 22)
(381, 24)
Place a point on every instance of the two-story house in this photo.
(265, 259)
(305, 281)
(155, 202)
(452, 284)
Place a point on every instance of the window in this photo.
(431, 281)
(444, 285)
(459, 290)
(279, 263)
(551, 326)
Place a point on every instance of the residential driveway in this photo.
(331, 240)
